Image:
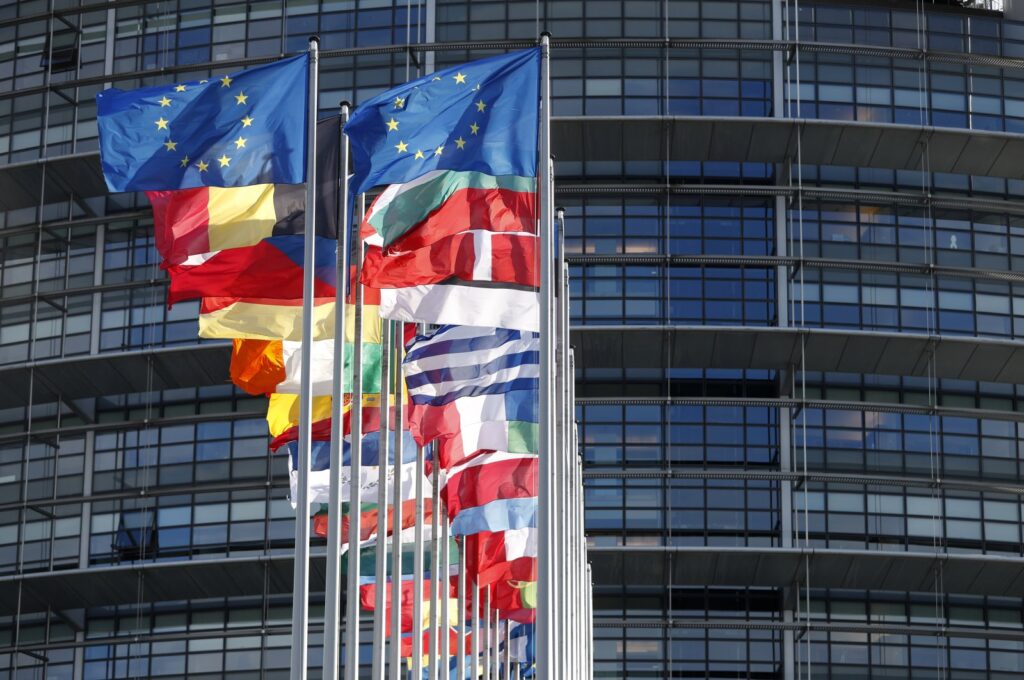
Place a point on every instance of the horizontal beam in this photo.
(815, 349)
(774, 567)
(768, 261)
(911, 198)
(129, 372)
(707, 566)
(658, 139)
(874, 628)
(613, 347)
(654, 140)
(825, 404)
(822, 477)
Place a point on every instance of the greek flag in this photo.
(469, 361)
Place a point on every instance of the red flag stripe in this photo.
(496, 477)
(469, 256)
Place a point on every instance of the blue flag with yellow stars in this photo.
(480, 116)
(229, 131)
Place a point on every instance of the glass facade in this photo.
(844, 506)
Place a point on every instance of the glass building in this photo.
(793, 229)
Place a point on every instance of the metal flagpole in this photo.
(474, 607)
(545, 574)
(396, 511)
(444, 584)
(460, 649)
(380, 603)
(355, 498)
(417, 573)
(332, 589)
(487, 633)
(496, 646)
(300, 584)
(507, 673)
(435, 562)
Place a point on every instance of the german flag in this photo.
(197, 221)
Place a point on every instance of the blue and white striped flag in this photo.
(468, 361)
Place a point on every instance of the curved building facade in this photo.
(794, 229)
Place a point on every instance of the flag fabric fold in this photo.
(270, 269)
(235, 130)
(489, 477)
(466, 361)
(464, 303)
(481, 116)
(446, 202)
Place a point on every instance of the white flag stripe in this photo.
(520, 543)
(320, 482)
(463, 305)
(489, 435)
(323, 367)
(393, 191)
(483, 255)
(495, 457)
(198, 259)
(502, 376)
(478, 357)
(481, 408)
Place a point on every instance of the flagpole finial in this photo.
(560, 212)
(545, 34)
(314, 39)
(343, 103)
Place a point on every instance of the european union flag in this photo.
(480, 116)
(240, 129)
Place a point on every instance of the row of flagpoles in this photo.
(430, 364)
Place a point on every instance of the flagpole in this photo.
(444, 582)
(508, 652)
(355, 499)
(545, 574)
(332, 589)
(474, 606)
(380, 604)
(435, 563)
(487, 633)
(300, 583)
(460, 666)
(417, 571)
(396, 511)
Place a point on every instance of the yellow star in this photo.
(224, 161)
(164, 101)
(476, 88)
(184, 161)
(171, 146)
(474, 128)
(419, 155)
(202, 165)
(439, 150)
(225, 82)
(480, 106)
(460, 142)
(392, 125)
(179, 88)
(161, 124)
(402, 147)
(459, 78)
(247, 121)
(240, 142)
(240, 98)
(399, 102)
